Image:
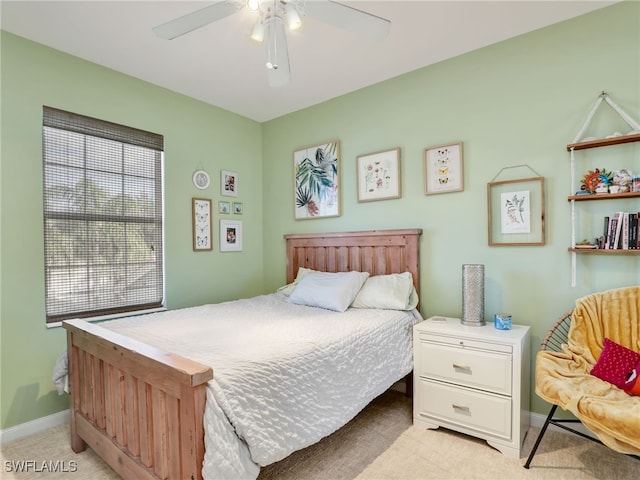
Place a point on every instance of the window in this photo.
(103, 214)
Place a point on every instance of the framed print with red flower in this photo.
(379, 175)
(316, 171)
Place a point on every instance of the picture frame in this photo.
(224, 207)
(378, 175)
(231, 235)
(228, 183)
(201, 179)
(443, 169)
(317, 186)
(201, 224)
(237, 208)
(516, 212)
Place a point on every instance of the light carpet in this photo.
(379, 444)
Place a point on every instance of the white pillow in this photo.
(413, 299)
(390, 292)
(289, 287)
(333, 291)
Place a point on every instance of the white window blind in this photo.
(102, 217)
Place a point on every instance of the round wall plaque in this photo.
(201, 179)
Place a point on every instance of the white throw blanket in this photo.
(285, 375)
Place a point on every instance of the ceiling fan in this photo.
(272, 18)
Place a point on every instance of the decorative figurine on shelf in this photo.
(622, 179)
(597, 181)
(586, 244)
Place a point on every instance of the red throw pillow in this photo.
(615, 363)
(632, 384)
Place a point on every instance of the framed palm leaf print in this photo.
(317, 181)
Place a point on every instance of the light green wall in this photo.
(196, 136)
(514, 103)
(518, 102)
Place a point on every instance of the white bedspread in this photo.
(285, 375)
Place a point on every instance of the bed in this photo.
(141, 407)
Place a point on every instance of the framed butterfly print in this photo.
(201, 217)
(443, 171)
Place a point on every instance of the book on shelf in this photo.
(611, 232)
(621, 231)
(607, 232)
(616, 238)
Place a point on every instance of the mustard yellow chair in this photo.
(567, 357)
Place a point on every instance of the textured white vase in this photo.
(473, 295)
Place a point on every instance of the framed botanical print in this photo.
(316, 172)
(201, 220)
(516, 212)
(379, 175)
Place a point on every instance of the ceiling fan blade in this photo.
(194, 20)
(349, 18)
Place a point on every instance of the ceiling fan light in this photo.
(293, 18)
(257, 33)
(253, 5)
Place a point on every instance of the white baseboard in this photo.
(537, 420)
(34, 426)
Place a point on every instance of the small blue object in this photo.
(502, 321)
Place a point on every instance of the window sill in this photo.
(111, 317)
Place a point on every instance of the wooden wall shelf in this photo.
(603, 196)
(601, 251)
(605, 142)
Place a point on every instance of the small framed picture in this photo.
(228, 183)
(201, 219)
(230, 235)
(237, 208)
(443, 171)
(224, 207)
(379, 175)
(516, 212)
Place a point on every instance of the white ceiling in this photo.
(219, 63)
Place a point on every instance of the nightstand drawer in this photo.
(465, 342)
(487, 370)
(467, 408)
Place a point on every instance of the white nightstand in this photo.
(474, 380)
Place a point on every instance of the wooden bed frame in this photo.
(141, 409)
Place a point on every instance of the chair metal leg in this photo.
(540, 435)
(559, 422)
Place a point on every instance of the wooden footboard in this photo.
(139, 408)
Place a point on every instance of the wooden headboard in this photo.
(378, 252)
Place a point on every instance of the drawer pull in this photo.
(460, 407)
(461, 367)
